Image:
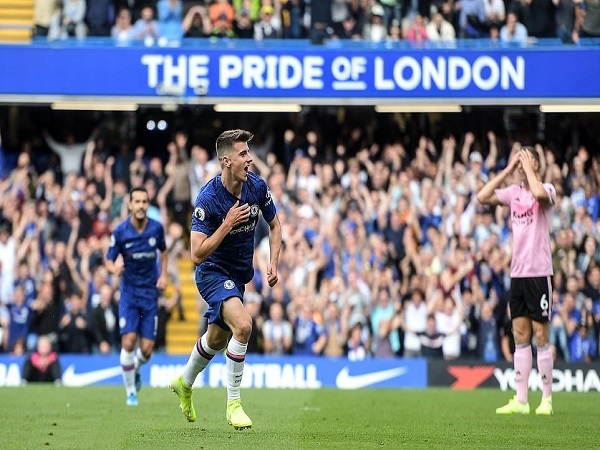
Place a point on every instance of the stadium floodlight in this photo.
(414, 108)
(580, 108)
(93, 106)
(258, 107)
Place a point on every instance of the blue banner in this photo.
(259, 372)
(301, 72)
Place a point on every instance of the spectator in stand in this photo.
(375, 30)
(383, 314)
(309, 336)
(70, 153)
(122, 31)
(146, 27)
(357, 344)
(244, 24)
(538, 16)
(583, 345)
(46, 311)
(320, 21)
(277, 332)
(175, 246)
(347, 29)
(99, 17)
(472, 19)
(196, 23)
(439, 29)
(25, 281)
(157, 172)
(488, 345)
(266, 27)
(414, 323)
(590, 28)
(252, 6)
(104, 324)
(340, 9)
(43, 364)
(4, 324)
(221, 14)
(170, 13)
(292, 17)
(431, 340)
(336, 329)
(514, 31)
(392, 11)
(43, 13)
(140, 164)
(165, 306)
(253, 302)
(395, 32)
(417, 30)
(449, 321)
(75, 334)
(495, 12)
(20, 316)
(68, 21)
(8, 258)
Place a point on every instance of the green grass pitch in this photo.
(45, 416)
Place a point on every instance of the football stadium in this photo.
(374, 223)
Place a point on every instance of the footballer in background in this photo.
(138, 254)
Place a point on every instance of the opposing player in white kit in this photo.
(531, 204)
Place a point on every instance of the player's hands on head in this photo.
(238, 214)
(514, 161)
(526, 159)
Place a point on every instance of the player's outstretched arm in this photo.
(487, 194)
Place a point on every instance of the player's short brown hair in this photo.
(227, 138)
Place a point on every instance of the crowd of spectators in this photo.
(386, 250)
(165, 21)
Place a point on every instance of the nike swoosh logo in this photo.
(129, 244)
(70, 378)
(346, 381)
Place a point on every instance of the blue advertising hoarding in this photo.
(302, 72)
(259, 372)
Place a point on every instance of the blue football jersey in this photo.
(140, 254)
(235, 254)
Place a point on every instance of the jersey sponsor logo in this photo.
(128, 245)
(152, 242)
(254, 210)
(70, 378)
(346, 381)
(268, 197)
(468, 377)
(243, 229)
(144, 255)
(199, 213)
(229, 284)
